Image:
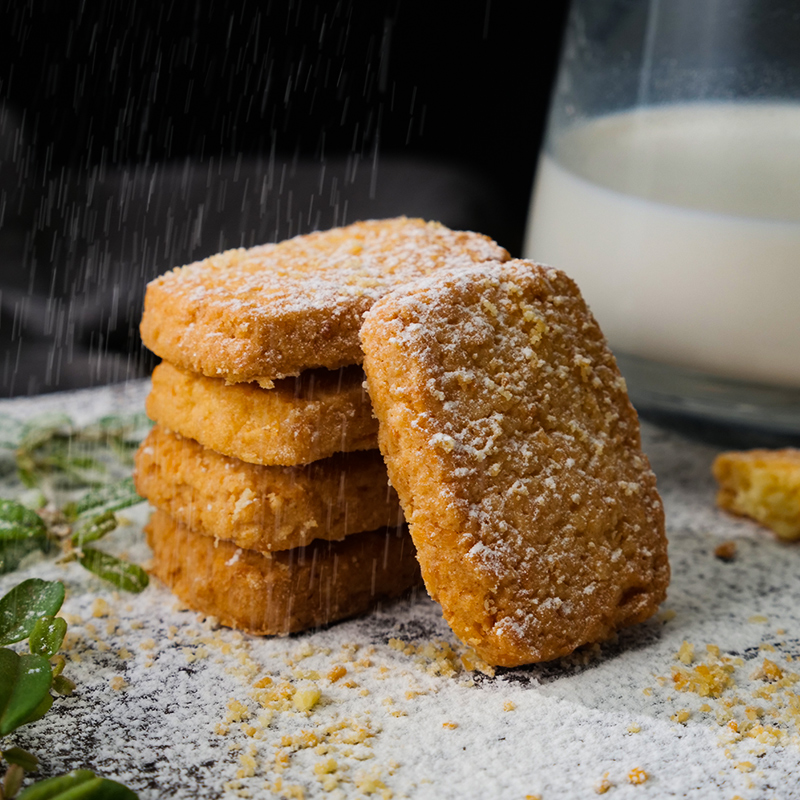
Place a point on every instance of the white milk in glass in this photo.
(681, 225)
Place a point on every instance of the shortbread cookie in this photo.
(264, 508)
(764, 485)
(509, 436)
(298, 421)
(282, 592)
(276, 310)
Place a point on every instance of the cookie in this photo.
(264, 508)
(763, 485)
(275, 310)
(282, 592)
(509, 436)
(299, 420)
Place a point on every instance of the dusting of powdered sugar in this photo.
(383, 706)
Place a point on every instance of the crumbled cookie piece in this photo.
(763, 485)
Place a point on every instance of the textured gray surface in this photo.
(572, 720)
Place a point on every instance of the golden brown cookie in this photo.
(300, 420)
(264, 508)
(764, 485)
(278, 309)
(283, 592)
(509, 436)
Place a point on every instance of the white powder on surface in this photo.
(169, 703)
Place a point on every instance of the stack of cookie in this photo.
(274, 512)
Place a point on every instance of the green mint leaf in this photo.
(43, 428)
(47, 635)
(44, 706)
(130, 577)
(62, 685)
(96, 528)
(111, 497)
(80, 784)
(25, 604)
(24, 759)
(24, 687)
(15, 517)
(21, 532)
(27, 474)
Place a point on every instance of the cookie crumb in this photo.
(603, 785)
(726, 551)
(637, 776)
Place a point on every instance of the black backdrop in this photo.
(120, 121)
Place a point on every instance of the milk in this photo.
(681, 225)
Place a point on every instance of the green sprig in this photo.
(26, 681)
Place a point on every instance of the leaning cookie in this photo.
(297, 421)
(282, 592)
(264, 508)
(275, 310)
(510, 439)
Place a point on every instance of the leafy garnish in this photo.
(24, 686)
(130, 577)
(25, 604)
(105, 499)
(47, 635)
(21, 531)
(22, 758)
(96, 528)
(26, 682)
(80, 784)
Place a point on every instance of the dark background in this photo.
(138, 136)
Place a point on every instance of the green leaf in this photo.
(24, 686)
(43, 428)
(80, 784)
(111, 497)
(96, 528)
(62, 685)
(45, 704)
(130, 577)
(58, 663)
(47, 635)
(27, 474)
(26, 760)
(16, 517)
(21, 532)
(25, 604)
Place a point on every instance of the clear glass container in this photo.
(668, 187)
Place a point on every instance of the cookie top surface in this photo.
(274, 310)
(509, 436)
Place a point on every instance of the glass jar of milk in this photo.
(669, 189)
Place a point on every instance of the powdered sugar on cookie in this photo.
(274, 310)
(515, 452)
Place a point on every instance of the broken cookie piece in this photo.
(509, 436)
(763, 485)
